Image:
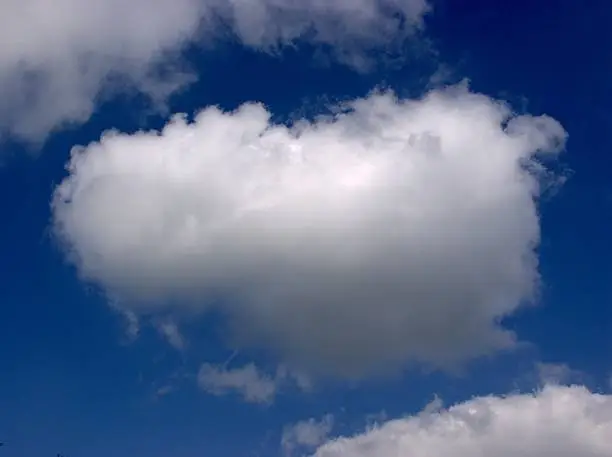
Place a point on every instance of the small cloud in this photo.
(171, 332)
(163, 391)
(306, 434)
(248, 381)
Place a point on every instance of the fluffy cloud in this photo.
(394, 232)
(247, 381)
(309, 433)
(558, 421)
(58, 58)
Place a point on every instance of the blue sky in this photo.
(238, 334)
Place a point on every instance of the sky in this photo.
(331, 229)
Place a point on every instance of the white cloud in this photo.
(556, 422)
(247, 381)
(309, 433)
(57, 58)
(397, 232)
(252, 384)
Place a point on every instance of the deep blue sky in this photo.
(70, 382)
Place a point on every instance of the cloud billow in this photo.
(558, 421)
(396, 232)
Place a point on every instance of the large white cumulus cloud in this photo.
(557, 422)
(398, 231)
(57, 57)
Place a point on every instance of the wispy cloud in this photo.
(247, 381)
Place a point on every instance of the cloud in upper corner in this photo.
(396, 232)
(350, 28)
(58, 59)
(558, 421)
(307, 434)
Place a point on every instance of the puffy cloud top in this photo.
(398, 231)
(559, 422)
